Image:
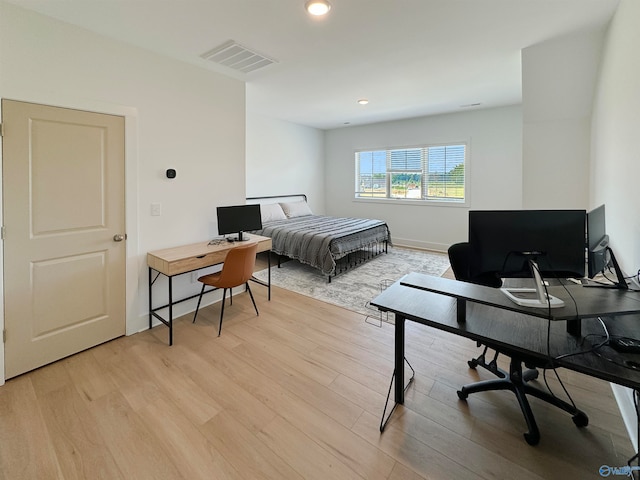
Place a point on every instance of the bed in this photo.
(330, 244)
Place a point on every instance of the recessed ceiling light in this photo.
(363, 101)
(317, 7)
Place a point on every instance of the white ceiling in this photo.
(408, 57)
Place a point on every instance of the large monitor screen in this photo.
(237, 219)
(600, 255)
(505, 241)
(598, 241)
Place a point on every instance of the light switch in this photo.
(156, 209)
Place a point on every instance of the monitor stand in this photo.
(620, 283)
(533, 297)
(241, 238)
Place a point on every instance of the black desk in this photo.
(492, 324)
(579, 302)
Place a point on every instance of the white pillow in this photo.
(271, 211)
(296, 209)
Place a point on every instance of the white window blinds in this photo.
(430, 172)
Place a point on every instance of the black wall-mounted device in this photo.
(171, 173)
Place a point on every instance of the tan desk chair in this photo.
(237, 269)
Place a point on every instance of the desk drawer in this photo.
(177, 260)
(195, 263)
(183, 265)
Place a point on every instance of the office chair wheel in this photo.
(473, 363)
(462, 395)
(530, 374)
(580, 419)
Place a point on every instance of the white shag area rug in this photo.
(354, 288)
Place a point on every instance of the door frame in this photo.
(132, 275)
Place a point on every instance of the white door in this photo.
(64, 260)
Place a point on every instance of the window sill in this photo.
(421, 203)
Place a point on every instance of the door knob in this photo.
(118, 237)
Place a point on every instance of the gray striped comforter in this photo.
(319, 240)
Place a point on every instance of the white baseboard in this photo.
(407, 242)
(142, 322)
(624, 398)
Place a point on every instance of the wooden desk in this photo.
(506, 329)
(188, 258)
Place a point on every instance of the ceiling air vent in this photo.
(235, 56)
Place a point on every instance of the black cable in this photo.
(506, 259)
(628, 277)
(551, 359)
(594, 348)
(555, 371)
(630, 366)
(604, 274)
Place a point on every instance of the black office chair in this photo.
(515, 379)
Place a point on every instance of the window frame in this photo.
(442, 201)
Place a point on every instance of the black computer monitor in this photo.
(599, 254)
(597, 241)
(503, 241)
(540, 244)
(237, 219)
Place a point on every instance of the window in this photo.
(420, 173)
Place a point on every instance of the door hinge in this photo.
(2, 232)
(4, 336)
(1, 129)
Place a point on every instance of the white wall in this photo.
(615, 168)
(558, 84)
(494, 161)
(284, 158)
(177, 116)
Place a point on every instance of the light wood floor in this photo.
(296, 393)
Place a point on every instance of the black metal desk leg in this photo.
(269, 275)
(170, 310)
(574, 327)
(461, 310)
(399, 359)
(150, 301)
(398, 373)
